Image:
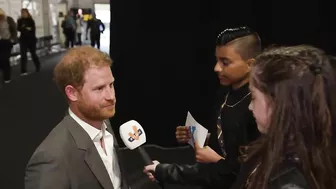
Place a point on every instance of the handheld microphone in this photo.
(133, 136)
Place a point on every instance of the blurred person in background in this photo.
(79, 26)
(96, 27)
(69, 29)
(26, 26)
(8, 37)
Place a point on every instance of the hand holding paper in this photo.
(197, 131)
(182, 134)
(206, 154)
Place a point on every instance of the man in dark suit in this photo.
(81, 152)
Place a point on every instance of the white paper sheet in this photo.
(199, 133)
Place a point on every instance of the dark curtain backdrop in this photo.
(163, 52)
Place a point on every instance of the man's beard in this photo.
(96, 113)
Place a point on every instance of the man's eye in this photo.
(225, 63)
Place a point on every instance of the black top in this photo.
(27, 28)
(239, 127)
(96, 26)
(287, 175)
(238, 124)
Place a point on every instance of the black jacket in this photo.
(287, 176)
(96, 27)
(242, 130)
(27, 28)
(213, 175)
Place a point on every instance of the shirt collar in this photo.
(94, 133)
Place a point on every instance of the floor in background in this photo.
(30, 106)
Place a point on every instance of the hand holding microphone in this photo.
(150, 169)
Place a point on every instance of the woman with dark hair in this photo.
(26, 26)
(233, 124)
(293, 101)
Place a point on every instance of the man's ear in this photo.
(71, 92)
(250, 62)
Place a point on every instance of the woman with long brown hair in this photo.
(293, 101)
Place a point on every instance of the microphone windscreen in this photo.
(132, 134)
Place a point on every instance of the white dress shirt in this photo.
(109, 158)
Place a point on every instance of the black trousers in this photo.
(25, 46)
(69, 37)
(5, 53)
(79, 38)
(95, 40)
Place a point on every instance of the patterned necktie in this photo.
(220, 134)
(219, 128)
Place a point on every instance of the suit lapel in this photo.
(96, 165)
(92, 158)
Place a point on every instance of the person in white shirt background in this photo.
(79, 29)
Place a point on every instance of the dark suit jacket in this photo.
(68, 159)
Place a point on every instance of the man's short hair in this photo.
(72, 67)
(246, 42)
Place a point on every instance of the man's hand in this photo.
(149, 169)
(206, 154)
(183, 134)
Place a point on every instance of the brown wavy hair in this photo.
(300, 84)
(72, 67)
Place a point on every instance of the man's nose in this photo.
(217, 67)
(110, 94)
